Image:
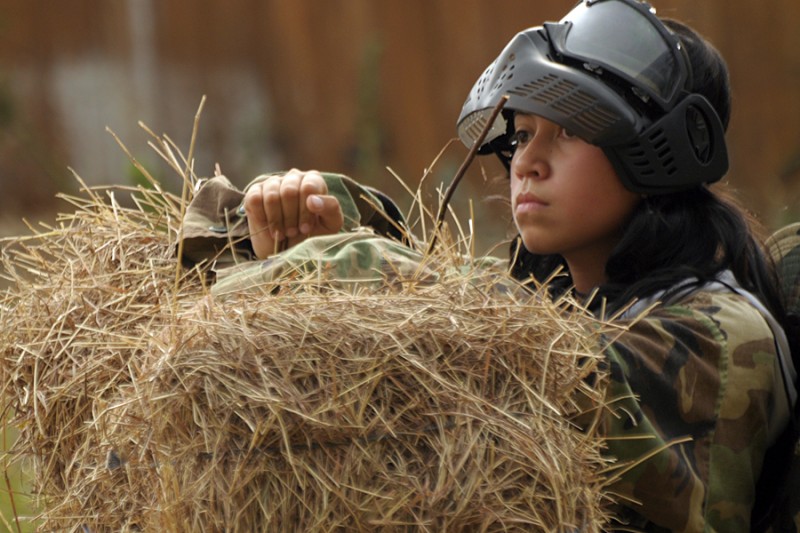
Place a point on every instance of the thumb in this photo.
(328, 212)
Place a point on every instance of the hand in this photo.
(285, 210)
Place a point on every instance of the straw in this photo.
(400, 405)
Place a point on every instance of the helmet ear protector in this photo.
(611, 73)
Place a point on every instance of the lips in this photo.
(527, 201)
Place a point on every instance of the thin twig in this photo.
(463, 169)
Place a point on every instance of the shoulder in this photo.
(721, 317)
(712, 347)
(713, 337)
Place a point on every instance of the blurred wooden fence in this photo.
(344, 85)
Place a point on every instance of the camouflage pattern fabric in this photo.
(343, 259)
(692, 382)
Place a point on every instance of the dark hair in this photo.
(696, 233)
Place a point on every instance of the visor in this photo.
(627, 40)
(573, 98)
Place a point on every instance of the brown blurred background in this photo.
(352, 86)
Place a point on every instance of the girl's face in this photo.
(565, 195)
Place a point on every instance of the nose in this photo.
(531, 160)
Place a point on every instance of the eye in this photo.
(519, 138)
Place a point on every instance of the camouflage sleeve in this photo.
(341, 260)
(691, 388)
(215, 226)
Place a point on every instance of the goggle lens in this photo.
(619, 37)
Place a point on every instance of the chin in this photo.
(536, 246)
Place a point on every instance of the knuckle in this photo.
(273, 182)
(272, 198)
(290, 188)
(252, 200)
(313, 185)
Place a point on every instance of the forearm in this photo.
(215, 226)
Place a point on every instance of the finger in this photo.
(257, 222)
(264, 219)
(328, 212)
(313, 184)
(290, 202)
(273, 207)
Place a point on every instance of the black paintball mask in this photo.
(613, 74)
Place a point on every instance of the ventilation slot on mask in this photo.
(477, 92)
(642, 156)
(506, 73)
(567, 98)
(476, 125)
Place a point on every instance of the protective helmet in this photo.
(613, 74)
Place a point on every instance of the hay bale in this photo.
(144, 404)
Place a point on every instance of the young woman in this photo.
(614, 131)
(612, 134)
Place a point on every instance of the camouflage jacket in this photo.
(696, 381)
(693, 381)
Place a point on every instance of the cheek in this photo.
(595, 193)
(513, 189)
(596, 178)
(613, 206)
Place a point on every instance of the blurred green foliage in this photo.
(16, 507)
